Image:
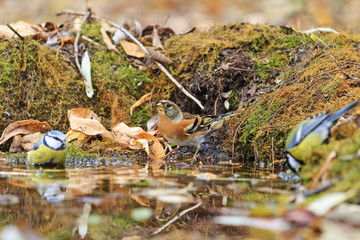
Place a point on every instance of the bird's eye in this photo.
(168, 105)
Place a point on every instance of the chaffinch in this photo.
(310, 133)
(185, 132)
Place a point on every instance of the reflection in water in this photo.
(110, 203)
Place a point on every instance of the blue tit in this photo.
(310, 133)
(50, 149)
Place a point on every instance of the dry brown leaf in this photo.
(79, 136)
(156, 42)
(23, 28)
(156, 150)
(29, 141)
(132, 49)
(16, 144)
(124, 135)
(23, 127)
(142, 100)
(84, 120)
(25, 143)
(107, 41)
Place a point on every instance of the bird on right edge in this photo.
(309, 133)
(186, 132)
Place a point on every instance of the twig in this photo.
(150, 99)
(143, 48)
(179, 85)
(62, 41)
(12, 29)
(324, 169)
(319, 189)
(177, 217)
(320, 29)
(272, 155)
(91, 41)
(233, 144)
(87, 15)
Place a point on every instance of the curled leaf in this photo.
(124, 135)
(84, 120)
(156, 150)
(23, 127)
(156, 40)
(142, 100)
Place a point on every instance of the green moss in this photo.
(34, 84)
(331, 88)
(92, 31)
(75, 150)
(252, 131)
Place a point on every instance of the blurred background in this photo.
(184, 14)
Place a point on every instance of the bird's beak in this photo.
(159, 107)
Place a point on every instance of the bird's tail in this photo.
(342, 111)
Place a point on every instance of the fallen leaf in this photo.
(84, 120)
(23, 28)
(132, 49)
(79, 136)
(156, 150)
(23, 127)
(252, 90)
(16, 144)
(26, 142)
(107, 41)
(163, 32)
(156, 42)
(142, 100)
(124, 134)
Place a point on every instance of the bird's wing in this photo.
(198, 124)
(36, 146)
(304, 128)
(204, 123)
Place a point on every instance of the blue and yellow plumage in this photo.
(309, 133)
(50, 149)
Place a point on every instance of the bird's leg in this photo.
(197, 151)
(171, 151)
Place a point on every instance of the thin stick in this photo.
(12, 29)
(91, 41)
(272, 155)
(324, 169)
(87, 15)
(179, 85)
(70, 12)
(177, 217)
(62, 41)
